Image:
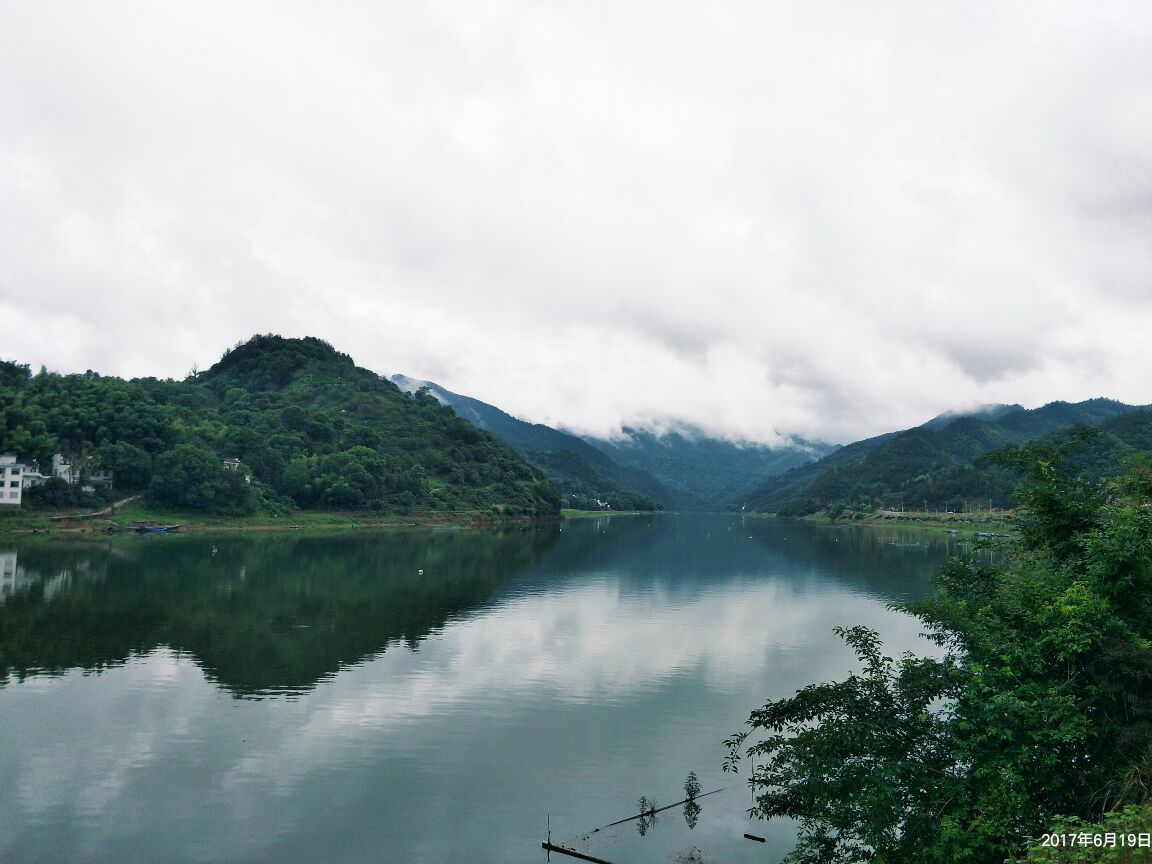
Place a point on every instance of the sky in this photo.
(764, 219)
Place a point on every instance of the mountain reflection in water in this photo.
(304, 698)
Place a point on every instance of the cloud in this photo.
(828, 221)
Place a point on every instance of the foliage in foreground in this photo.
(1039, 708)
(1114, 839)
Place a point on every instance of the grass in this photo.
(19, 521)
(40, 522)
(566, 513)
(999, 522)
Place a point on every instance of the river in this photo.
(419, 696)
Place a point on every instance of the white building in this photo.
(32, 476)
(235, 465)
(63, 468)
(11, 482)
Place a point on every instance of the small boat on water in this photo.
(153, 528)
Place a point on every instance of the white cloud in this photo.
(830, 220)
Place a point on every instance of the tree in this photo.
(192, 477)
(133, 466)
(1040, 707)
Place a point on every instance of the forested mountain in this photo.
(938, 466)
(989, 411)
(310, 428)
(715, 470)
(582, 473)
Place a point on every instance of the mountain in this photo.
(713, 469)
(519, 433)
(936, 465)
(684, 469)
(583, 473)
(986, 411)
(309, 427)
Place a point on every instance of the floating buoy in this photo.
(419, 572)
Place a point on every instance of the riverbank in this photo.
(999, 523)
(127, 517)
(600, 514)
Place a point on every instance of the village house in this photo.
(63, 468)
(235, 465)
(16, 476)
(11, 482)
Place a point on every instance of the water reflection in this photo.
(261, 615)
(276, 615)
(553, 674)
(15, 578)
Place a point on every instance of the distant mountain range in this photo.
(314, 431)
(679, 470)
(938, 465)
(715, 470)
(583, 474)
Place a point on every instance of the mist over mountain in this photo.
(986, 411)
(683, 469)
(583, 473)
(716, 470)
(317, 431)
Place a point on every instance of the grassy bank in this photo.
(64, 523)
(600, 514)
(993, 523)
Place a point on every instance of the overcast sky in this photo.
(829, 219)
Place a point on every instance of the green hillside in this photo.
(583, 474)
(310, 429)
(939, 466)
(713, 470)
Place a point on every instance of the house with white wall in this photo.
(64, 468)
(235, 465)
(11, 482)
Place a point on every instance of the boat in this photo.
(153, 528)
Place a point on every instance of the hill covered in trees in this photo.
(942, 465)
(678, 469)
(309, 428)
(712, 470)
(581, 472)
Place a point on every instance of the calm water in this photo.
(316, 699)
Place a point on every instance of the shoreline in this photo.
(123, 522)
(996, 523)
(567, 513)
